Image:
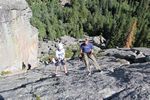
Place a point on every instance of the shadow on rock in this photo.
(82, 68)
(141, 66)
(120, 75)
(1, 97)
(130, 94)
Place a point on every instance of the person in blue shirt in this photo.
(86, 51)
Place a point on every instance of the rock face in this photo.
(64, 2)
(98, 40)
(18, 39)
(135, 81)
(128, 82)
(119, 80)
(48, 47)
(134, 55)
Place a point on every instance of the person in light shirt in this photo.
(60, 58)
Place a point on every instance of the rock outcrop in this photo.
(117, 81)
(134, 55)
(18, 39)
(135, 81)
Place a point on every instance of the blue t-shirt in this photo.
(86, 48)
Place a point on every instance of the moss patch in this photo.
(5, 73)
(72, 50)
(47, 57)
(38, 97)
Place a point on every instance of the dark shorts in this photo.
(62, 62)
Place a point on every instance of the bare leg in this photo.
(56, 70)
(60, 68)
(65, 69)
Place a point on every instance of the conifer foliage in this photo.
(115, 19)
(131, 35)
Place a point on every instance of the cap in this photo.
(60, 46)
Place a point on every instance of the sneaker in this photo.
(66, 74)
(98, 70)
(53, 75)
(89, 74)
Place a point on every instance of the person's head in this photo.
(60, 46)
(86, 41)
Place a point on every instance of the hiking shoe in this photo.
(89, 74)
(98, 70)
(66, 74)
(53, 75)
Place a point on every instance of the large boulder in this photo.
(134, 55)
(117, 81)
(67, 41)
(121, 53)
(146, 51)
(99, 41)
(96, 41)
(65, 2)
(18, 39)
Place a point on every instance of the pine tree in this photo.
(110, 17)
(131, 35)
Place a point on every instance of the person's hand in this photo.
(90, 53)
(80, 56)
(53, 60)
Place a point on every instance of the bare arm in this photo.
(91, 51)
(81, 51)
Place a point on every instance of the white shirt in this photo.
(60, 54)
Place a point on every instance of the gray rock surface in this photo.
(64, 2)
(146, 51)
(135, 80)
(48, 46)
(99, 41)
(96, 41)
(18, 39)
(67, 40)
(134, 55)
(118, 81)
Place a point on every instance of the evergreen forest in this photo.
(120, 22)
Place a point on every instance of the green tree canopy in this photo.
(112, 18)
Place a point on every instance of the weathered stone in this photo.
(65, 2)
(145, 51)
(99, 41)
(121, 53)
(96, 49)
(96, 41)
(117, 81)
(134, 55)
(18, 39)
(67, 40)
(135, 79)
